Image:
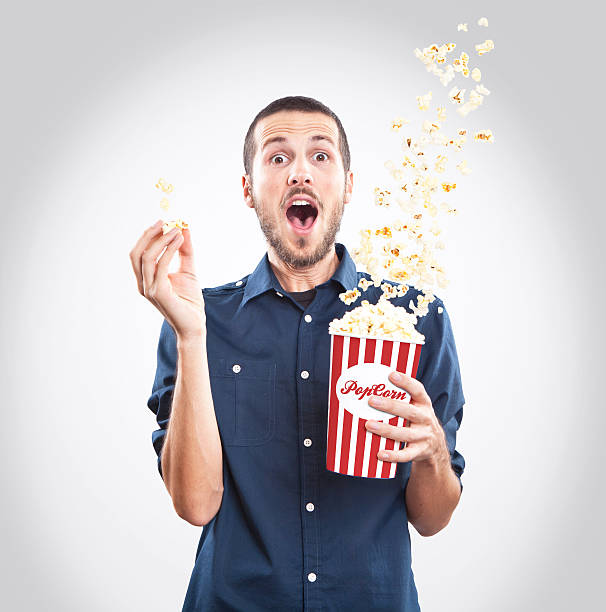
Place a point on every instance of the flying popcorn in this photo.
(397, 123)
(462, 26)
(404, 253)
(483, 22)
(447, 75)
(460, 63)
(440, 163)
(166, 188)
(430, 127)
(485, 135)
(423, 101)
(456, 95)
(163, 186)
(382, 197)
(463, 168)
(485, 47)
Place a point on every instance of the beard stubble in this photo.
(294, 258)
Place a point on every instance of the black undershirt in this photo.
(305, 298)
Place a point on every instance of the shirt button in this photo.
(308, 318)
(307, 442)
(304, 374)
(278, 293)
(236, 368)
(311, 577)
(309, 507)
(238, 283)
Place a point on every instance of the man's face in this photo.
(296, 159)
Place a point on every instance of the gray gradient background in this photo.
(102, 98)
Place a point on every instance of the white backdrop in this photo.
(103, 98)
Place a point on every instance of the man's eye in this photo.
(277, 157)
(325, 156)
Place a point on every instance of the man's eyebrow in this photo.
(315, 138)
(320, 137)
(272, 140)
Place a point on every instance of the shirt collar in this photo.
(263, 278)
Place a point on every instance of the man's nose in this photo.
(300, 174)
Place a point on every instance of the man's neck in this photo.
(303, 279)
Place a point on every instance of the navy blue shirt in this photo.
(290, 534)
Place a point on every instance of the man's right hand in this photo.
(176, 295)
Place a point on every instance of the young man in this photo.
(241, 393)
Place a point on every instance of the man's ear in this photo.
(246, 186)
(348, 187)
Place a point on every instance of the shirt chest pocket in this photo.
(243, 395)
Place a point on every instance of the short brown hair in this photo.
(293, 103)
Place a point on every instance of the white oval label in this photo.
(358, 384)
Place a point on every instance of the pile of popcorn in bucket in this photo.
(372, 340)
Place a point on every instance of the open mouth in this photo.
(301, 215)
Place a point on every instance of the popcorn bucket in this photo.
(359, 368)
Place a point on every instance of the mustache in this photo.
(302, 191)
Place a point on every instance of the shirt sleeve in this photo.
(161, 398)
(439, 372)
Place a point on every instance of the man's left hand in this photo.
(424, 434)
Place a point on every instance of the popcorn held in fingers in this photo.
(168, 225)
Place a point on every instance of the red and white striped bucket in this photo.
(359, 368)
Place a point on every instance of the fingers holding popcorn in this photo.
(186, 253)
(178, 295)
(164, 260)
(149, 260)
(137, 251)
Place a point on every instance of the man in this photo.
(241, 393)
